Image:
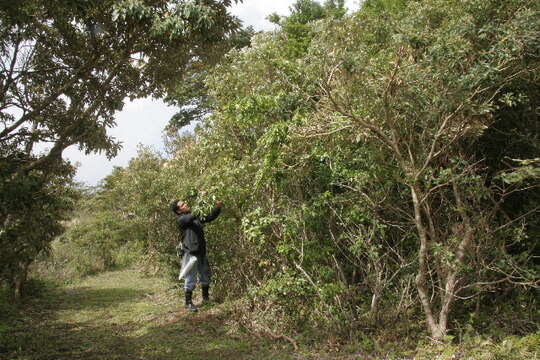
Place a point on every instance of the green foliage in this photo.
(478, 348)
(363, 162)
(380, 7)
(97, 239)
(111, 49)
(526, 170)
(191, 95)
(66, 69)
(297, 27)
(33, 211)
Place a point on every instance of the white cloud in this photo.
(254, 12)
(140, 122)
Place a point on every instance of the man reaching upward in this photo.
(194, 243)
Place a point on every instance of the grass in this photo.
(123, 315)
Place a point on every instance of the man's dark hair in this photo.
(174, 205)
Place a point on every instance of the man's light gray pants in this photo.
(202, 268)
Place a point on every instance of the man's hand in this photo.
(219, 204)
(180, 251)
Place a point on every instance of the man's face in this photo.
(183, 207)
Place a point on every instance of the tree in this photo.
(40, 203)
(425, 94)
(298, 25)
(68, 65)
(190, 96)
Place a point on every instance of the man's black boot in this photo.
(206, 294)
(189, 301)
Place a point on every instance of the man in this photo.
(193, 243)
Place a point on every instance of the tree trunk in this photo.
(19, 280)
(466, 233)
(17, 289)
(447, 277)
(437, 332)
(377, 292)
(374, 310)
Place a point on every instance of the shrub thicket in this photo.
(376, 168)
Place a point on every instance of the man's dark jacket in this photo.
(191, 228)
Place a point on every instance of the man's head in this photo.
(179, 207)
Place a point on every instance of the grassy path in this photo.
(122, 315)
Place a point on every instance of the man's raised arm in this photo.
(214, 214)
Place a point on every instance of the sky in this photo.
(142, 121)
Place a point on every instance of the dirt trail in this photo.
(123, 315)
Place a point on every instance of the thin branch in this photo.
(516, 219)
(48, 100)
(326, 133)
